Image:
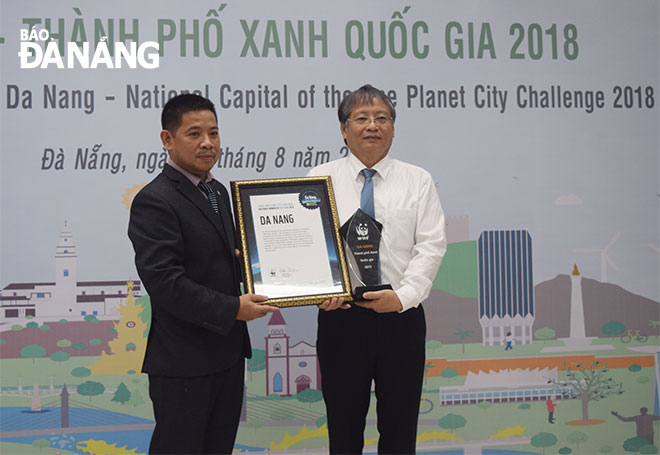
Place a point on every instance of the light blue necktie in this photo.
(367, 196)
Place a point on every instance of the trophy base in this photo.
(358, 294)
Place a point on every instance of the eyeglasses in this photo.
(381, 120)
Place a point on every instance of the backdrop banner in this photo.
(538, 120)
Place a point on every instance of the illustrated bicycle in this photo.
(633, 335)
(425, 406)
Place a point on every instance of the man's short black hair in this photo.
(174, 109)
(363, 95)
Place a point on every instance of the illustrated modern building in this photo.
(289, 369)
(506, 287)
(66, 297)
(504, 386)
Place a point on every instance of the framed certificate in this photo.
(289, 236)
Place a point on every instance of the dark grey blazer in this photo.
(184, 253)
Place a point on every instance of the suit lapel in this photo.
(196, 197)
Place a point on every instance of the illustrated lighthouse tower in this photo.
(577, 337)
(577, 334)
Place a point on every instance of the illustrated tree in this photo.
(257, 362)
(588, 384)
(95, 342)
(122, 394)
(16, 327)
(33, 351)
(90, 389)
(565, 450)
(577, 438)
(452, 422)
(463, 334)
(448, 373)
(485, 404)
(44, 327)
(81, 372)
(41, 444)
(634, 444)
(545, 334)
(32, 325)
(613, 328)
(648, 449)
(634, 368)
(80, 346)
(64, 343)
(136, 398)
(309, 396)
(91, 318)
(60, 356)
(62, 321)
(543, 440)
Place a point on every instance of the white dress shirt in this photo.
(406, 203)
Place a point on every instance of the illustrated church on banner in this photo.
(66, 297)
(289, 369)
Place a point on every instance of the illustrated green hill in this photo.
(458, 271)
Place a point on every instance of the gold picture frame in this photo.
(288, 232)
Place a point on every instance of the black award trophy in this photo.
(362, 235)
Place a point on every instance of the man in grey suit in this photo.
(183, 235)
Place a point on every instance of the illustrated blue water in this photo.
(17, 419)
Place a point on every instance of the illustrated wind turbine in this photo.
(605, 260)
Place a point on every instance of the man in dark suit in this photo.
(183, 236)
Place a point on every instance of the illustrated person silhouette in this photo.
(644, 422)
(509, 341)
(551, 405)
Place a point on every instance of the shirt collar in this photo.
(193, 178)
(382, 167)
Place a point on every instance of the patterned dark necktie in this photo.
(210, 192)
